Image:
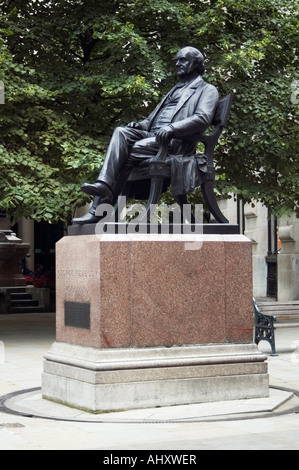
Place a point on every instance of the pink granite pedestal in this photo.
(153, 320)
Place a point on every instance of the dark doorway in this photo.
(271, 258)
(45, 237)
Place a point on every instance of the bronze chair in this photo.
(157, 170)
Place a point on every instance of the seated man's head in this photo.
(189, 61)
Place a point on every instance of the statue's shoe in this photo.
(98, 189)
(86, 219)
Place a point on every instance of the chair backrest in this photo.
(219, 121)
(222, 111)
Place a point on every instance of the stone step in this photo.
(24, 303)
(16, 290)
(20, 296)
(27, 309)
(284, 312)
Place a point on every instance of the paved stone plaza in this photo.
(27, 422)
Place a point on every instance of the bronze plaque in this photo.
(77, 314)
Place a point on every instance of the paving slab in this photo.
(28, 422)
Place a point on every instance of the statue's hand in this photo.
(164, 134)
(134, 125)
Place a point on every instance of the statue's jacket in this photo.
(192, 116)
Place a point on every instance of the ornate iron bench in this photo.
(158, 169)
(264, 327)
(286, 316)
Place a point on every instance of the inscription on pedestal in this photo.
(77, 314)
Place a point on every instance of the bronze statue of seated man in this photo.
(180, 118)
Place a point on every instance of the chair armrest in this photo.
(162, 153)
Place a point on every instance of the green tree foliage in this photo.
(73, 70)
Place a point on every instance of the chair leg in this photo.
(207, 189)
(154, 197)
(183, 200)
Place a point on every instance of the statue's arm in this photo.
(201, 117)
(144, 124)
(135, 125)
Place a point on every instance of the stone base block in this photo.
(121, 291)
(153, 320)
(98, 380)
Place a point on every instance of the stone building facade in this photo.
(275, 248)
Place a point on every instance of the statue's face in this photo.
(185, 63)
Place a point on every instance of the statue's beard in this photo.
(184, 76)
(187, 74)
